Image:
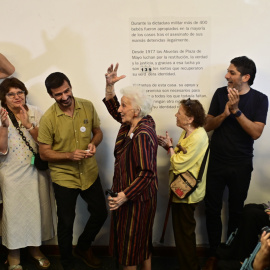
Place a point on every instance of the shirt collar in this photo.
(77, 105)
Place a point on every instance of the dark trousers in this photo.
(66, 203)
(253, 220)
(184, 225)
(237, 179)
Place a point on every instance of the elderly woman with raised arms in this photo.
(188, 155)
(135, 174)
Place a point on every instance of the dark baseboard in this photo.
(53, 250)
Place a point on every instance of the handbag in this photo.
(182, 186)
(186, 183)
(40, 164)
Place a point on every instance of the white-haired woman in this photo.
(135, 174)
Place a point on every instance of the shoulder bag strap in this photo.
(16, 125)
(203, 164)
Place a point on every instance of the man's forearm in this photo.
(97, 139)
(254, 129)
(213, 122)
(54, 156)
(262, 260)
(97, 136)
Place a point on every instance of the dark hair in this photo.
(193, 108)
(8, 83)
(245, 66)
(55, 80)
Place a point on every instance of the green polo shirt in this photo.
(66, 134)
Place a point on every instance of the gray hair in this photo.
(139, 98)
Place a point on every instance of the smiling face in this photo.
(15, 98)
(128, 113)
(63, 95)
(235, 79)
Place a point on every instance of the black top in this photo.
(230, 143)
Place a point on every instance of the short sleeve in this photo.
(262, 109)
(45, 131)
(214, 106)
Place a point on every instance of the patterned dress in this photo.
(135, 173)
(29, 215)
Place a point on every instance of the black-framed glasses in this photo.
(12, 95)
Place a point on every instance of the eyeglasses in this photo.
(12, 95)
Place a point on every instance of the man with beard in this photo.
(237, 115)
(69, 133)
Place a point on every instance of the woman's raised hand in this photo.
(4, 117)
(24, 117)
(111, 75)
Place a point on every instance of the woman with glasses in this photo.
(28, 200)
(187, 155)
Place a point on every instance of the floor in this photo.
(158, 263)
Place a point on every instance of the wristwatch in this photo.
(238, 113)
(32, 127)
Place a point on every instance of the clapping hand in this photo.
(233, 96)
(4, 117)
(24, 117)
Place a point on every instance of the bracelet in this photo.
(169, 149)
(32, 127)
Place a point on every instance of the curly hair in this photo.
(139, 98)
(193, 108)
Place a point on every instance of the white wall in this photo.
(82, 38)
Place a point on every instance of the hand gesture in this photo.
(116, 202)
(234, 98)
(24, 117)
(79, 155)
(227, 110)
(165, 141)
(111, 75)
(91, 150)
(4, 117)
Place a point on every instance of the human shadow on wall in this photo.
(64, 52)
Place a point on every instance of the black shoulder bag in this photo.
(38, 162)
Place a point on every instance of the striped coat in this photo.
(135, 173)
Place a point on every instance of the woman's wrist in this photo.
(109, 89)
(169, 149)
